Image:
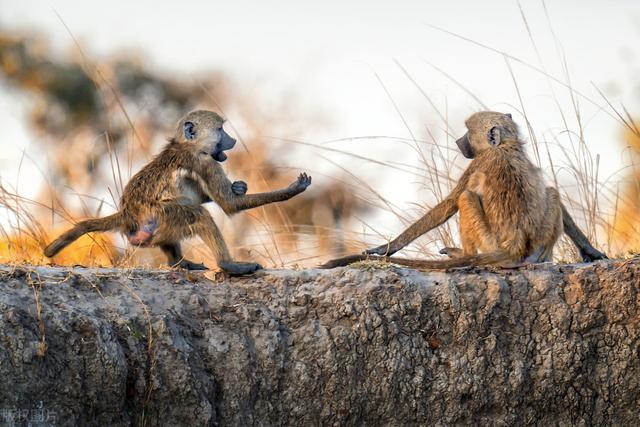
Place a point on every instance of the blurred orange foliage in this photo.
(90, 250)
(626, 226)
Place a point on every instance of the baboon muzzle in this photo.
(226, 143)
(465, 146)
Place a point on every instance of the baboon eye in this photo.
(189, 130)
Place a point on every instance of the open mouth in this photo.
(219, 156)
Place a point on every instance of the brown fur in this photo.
(506, 213)
(169, 191)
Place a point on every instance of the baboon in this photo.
(506, 213)
(162, 203)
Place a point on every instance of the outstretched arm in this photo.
(231, 198)
(587, 251)
(435, 217)
(249, 201)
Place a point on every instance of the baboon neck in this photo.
(512, 142)
(512, 146)
(174, 155)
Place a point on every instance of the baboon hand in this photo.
(239, 188)
(382, 250)
(452, 252)
(590, 254)
(301, 183)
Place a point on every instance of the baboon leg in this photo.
(475, 231)
(208, 231)
(178, 221)
(587, 251)
(551, 227)
(539, 254)
(176, 259)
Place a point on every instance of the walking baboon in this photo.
(162, 204)
(506, 213)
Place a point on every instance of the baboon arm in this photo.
(220, 190)
(432, 219)
(236, 203)
(435, 217)
(587, 251)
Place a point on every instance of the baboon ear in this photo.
(509, 115)
(494, 136)
(189, 130)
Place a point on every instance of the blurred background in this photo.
(367, 97)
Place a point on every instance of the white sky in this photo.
(327, 54)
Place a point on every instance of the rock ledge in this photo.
(550, 344)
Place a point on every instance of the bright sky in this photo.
(329, 55)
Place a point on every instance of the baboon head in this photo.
(486, 130)
(203, 130)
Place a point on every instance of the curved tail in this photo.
(99, 224)
(463, 261)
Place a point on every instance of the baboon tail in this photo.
(464, 261)
(350, 259)
(98, 224)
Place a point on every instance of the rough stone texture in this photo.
(388, 346)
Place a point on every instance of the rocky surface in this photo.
(350, 346)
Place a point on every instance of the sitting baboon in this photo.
(506, 213)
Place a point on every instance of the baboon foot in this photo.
(189, 265)
(382, 250)
(590, 254)
(239, 268)
(452, 252)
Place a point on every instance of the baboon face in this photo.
(485, 130)
(203, 129)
